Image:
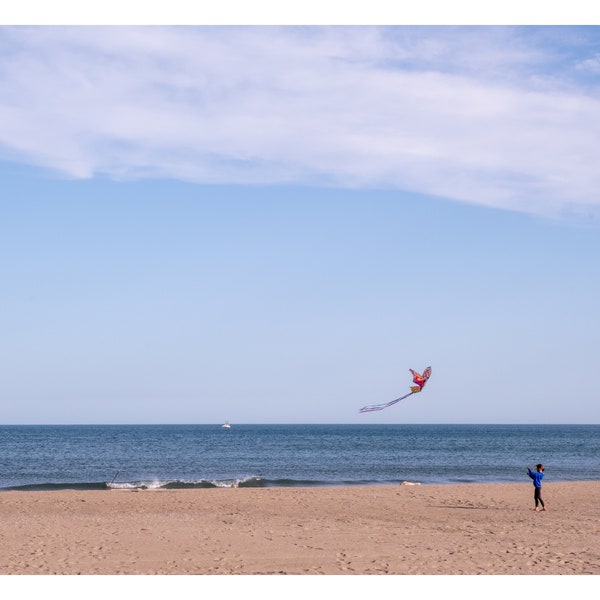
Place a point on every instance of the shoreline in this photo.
(174, 485)
(428, 529)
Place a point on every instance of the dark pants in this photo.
(537, 496)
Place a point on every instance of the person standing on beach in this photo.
(537, 477)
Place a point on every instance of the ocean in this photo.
(87, 457)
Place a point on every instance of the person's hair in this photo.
(540, 466)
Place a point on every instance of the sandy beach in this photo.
(394, 530)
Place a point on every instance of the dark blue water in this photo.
(89, 456)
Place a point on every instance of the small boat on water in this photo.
(226, 425)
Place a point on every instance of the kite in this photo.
(419, 381)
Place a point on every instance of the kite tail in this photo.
(374, 407)
(415, 389)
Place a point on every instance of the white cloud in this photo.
(483, 115)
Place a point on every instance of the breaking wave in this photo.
(246, 482)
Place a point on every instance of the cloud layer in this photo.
(504, 117)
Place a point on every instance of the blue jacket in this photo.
(537, 477)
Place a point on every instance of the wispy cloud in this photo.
(505, 117)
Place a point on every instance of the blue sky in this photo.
(273, 224)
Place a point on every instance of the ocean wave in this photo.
(177, 484)
(49, 487)
(245, 482)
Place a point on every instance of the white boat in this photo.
(226, 425)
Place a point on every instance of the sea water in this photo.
(45, 457)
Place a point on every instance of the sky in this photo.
(273, 224)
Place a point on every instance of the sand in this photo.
(372, 530)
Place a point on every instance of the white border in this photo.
(306, 12)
